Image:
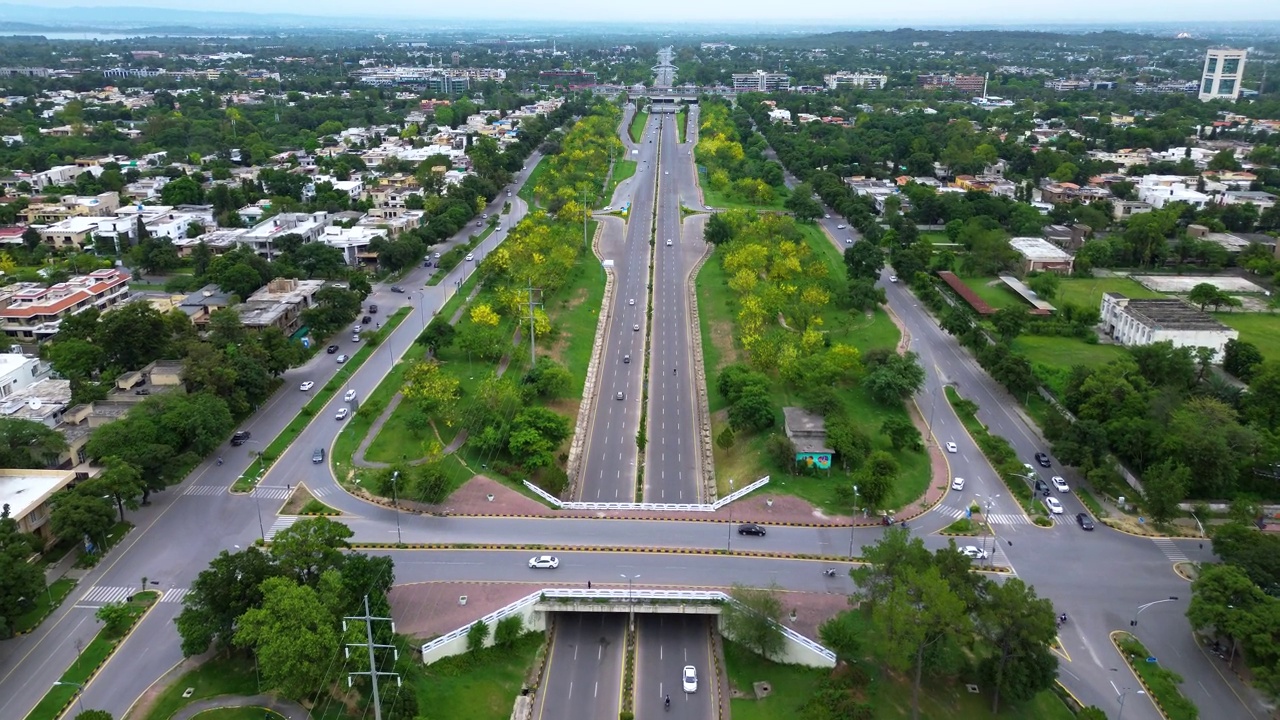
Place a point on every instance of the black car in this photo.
(331, 349)
(1086, 522)
(750, 529)
(317, 456)
(1042, 487)
(366, 320)
(241, 437)
(397, 289)
(373, 309)
(1043, 459)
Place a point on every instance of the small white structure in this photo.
(1132, 321)
(1039, 255)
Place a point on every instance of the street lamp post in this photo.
(986, 515)
(1134, 621)
(395, 501)
(79, 691)
(631, 600)
(1120, 696)
(729, 542)
(258, 504)
(852, 526)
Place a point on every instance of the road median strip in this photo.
(1160, 683)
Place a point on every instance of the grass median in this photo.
(999, 453)
(637, 125)
(89, 661)
(273, 451)
(451, 258)
(43, 606)
(622, 170)
(1161, 682)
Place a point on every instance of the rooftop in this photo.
(1039, 250)
(1168, 314)
(37, 401)
(24, 490)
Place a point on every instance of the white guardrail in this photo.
(658, 507)
(625, 596)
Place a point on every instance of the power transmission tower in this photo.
(373, 672)
(533, 357)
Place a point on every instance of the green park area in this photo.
(1261, 329)
(750, 456)
(238, 713)
(479, 685)
(636, 130)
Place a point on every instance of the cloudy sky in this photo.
(916, 13)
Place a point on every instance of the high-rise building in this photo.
(760, 81)
(1223, 73)
(846, 79)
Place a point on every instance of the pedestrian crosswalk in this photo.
(323, 491)
(1170, 550)
(206, 490)
(263, 493)
(993, 518)
(272, 493)
(107, 594)
(281, 523)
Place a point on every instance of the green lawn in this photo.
(1065, 352)
(239, 713)
(747, 460)
(995, 293)
(622, 169)
(219, 676)
(890, 696)
(682, 121)
(720, 200)
(1261, 329)
(44, 604)
(1088, 291)
(637, 125)
(477, 688)
(526, 191)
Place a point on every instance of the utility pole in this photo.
(373, 673)
(533, 357)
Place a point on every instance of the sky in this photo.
(843, 13)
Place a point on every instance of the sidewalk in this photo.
(287, 708)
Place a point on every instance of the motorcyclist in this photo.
(219, 459)
(667, 703)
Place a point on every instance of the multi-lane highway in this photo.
(610, 455)
(583, 675)
(665, 645)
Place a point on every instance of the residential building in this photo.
(263, 236)
(1125, 209)
(761, 81)
(30, 312)
(1160, 190)
(1223, 74)
(202, 303)
(1131, 321)
(26, 494)
(846, 79)
(101, 205)
(1264, 200)
(1040, 255)
(353, 241)
(72, 233)
(973, 84)
(279, 304)
(1067, 237)
(781, 115)
(17, 371)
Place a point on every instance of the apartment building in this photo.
(845, 79)
(70, 234)
(1223, 74)
(30, 312)
(760, 81)
(973, 84)
(18, 371)
(101, 205)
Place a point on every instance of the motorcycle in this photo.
(829, 572)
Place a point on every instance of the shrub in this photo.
(476, 635)
(726, 438)
(508, 631)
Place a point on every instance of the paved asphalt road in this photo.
(664, 645)
(610, 455)
(583, 677)
(672, 461)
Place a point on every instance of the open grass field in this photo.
(1065, 352)
(1088, 292)
(482, 687)
(239, 713)
(622, 169)
(1261, 329)
(721, 200)
(221, 675)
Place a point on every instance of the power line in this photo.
(533, 357)
(372, 672)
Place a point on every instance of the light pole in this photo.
(395, 501)
(729, 542)
(1134, 621)
(852, 526)
(1122, 695)
(986, 516)
(631, 613)
(1199, 524)
(79, 691)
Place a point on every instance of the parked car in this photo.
(751, 529)
(241, 437)
(544, 562)
(1086, 522)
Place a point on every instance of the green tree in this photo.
(753, 410)
(1241, 358)
(885, 565)
(77, 515)
(1009, 322)
(864, 261)
(1045, 284)
(802, 205)
(293, 635)
(1204, 294)
(221, 593)
(1164, 486)
(508, 631)
(121, 481)
(902, 433)
(20, 581)
(753, 619)
(1020, 627)
(477, 634)
(94, 715)
(875, 478)
(438, 335)
(549, 379)
(719, 229)
(895, 379)
(919, 613)
(309, 547)
(28, 444)
(115, 617)
(1225, 601)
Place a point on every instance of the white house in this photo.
(1132, 321)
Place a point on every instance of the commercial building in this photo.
(760, 81)
(30, 312)
(439, 80)
(975, 84)
(1142, 322)
(1039, 255)
(1223, 74)
(845, 79)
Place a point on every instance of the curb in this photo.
(93, 674)
(574, 464)
(53, 607)
(1151, 696)
(702, 406)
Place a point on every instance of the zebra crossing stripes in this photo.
(206, 490)
(1170, 550)
(107, 594)
(263, 493)
(281, 523)
(322, 492)
(271, 493)
(993, 518)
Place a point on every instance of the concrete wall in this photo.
(455, 643)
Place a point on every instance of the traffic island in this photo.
(1161, 683)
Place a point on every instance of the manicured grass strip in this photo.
(998, 452)
(637, 125)
(526, 191)
(477, 686)
(622, 169)
(238, 713)
(104, 545)
(322, 397)
(315, 507)
(91, 659)
(682, 122)
(219, 676)
(1161, 682)
(1261, 329)
(45, 604)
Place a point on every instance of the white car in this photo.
(827, 217)
(1054, 506)
(544, 562)
(689, 679)
(973, 553)
(470, 257)
(342, 359)
(839, 227)
(848, 241)
(635, 327)
(668, 242)
(632, 301)
(351, 395)
(608, 208)
(1030, 470)
(951, 447)
(957, 484)
(1060, 484)
(893, 278)
(306, 385)
(341, 414)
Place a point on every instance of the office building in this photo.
(760, 81)
(845, 79)
(1223, 74)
